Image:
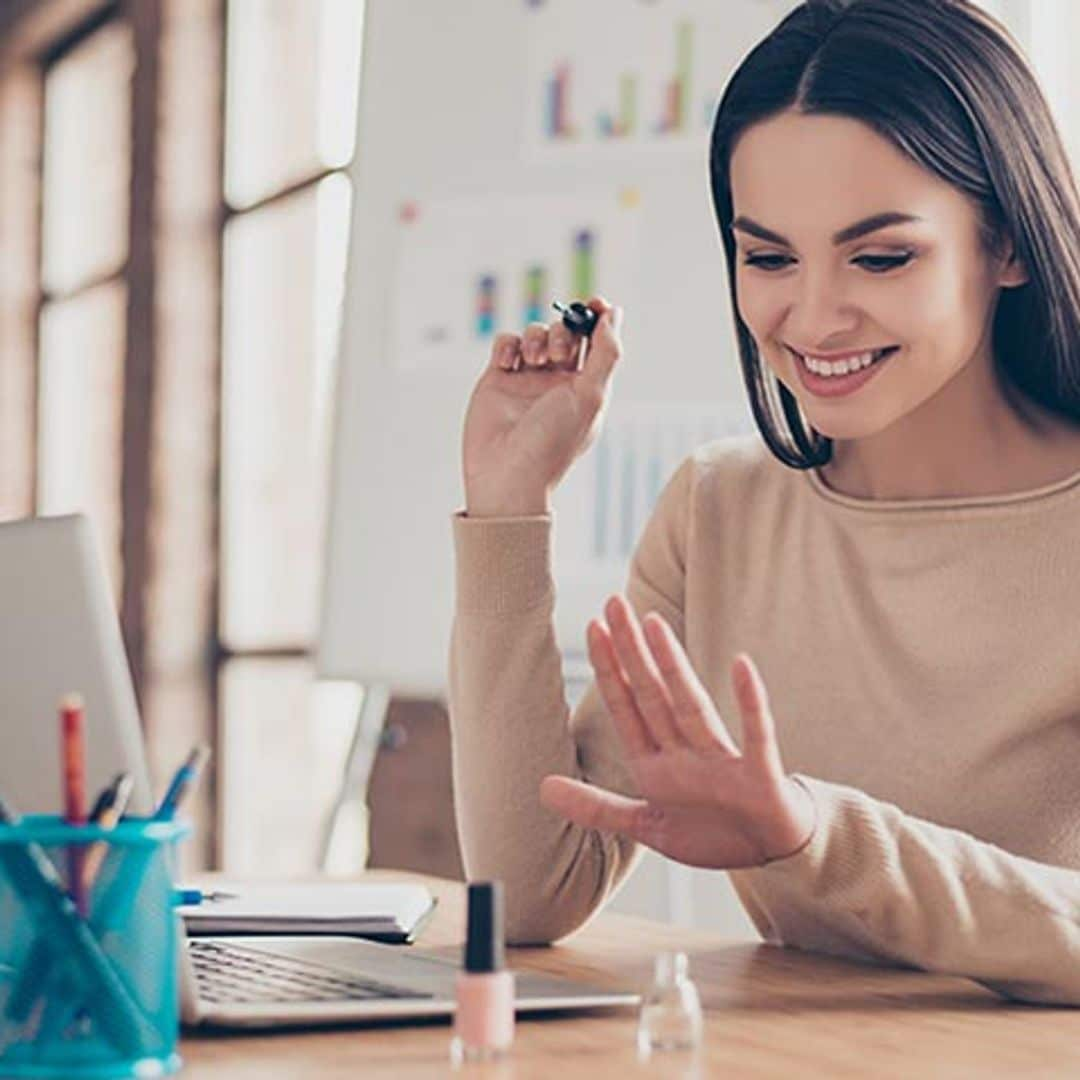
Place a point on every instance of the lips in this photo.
(832, 386)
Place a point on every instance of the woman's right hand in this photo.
(534, 411)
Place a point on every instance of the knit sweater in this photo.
(924, 675)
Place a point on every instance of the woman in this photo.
(897, 780)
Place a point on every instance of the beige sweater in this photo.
(923, 663)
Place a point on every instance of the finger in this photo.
(615, 690)
(605, 347)
(695, 714)
(594, 808)
(505, 350)
(759, 731)
(647, 685)
(563, 346)
(534, 344)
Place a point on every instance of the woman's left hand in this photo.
(704, 801)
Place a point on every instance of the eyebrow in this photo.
(852, 232)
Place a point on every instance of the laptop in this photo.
(59, 633)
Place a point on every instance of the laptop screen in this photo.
(59, 634)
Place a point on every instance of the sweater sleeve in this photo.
(511, 725)
(877, 884)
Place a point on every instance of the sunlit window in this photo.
(284, 275)
(292, 71)
(86, 174)
(291, 74)
(87, 166)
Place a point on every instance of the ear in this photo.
(1012, 272)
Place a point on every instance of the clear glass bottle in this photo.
(670, 1016)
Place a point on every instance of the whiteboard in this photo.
(500, 144)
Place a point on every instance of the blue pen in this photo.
(185, 776)
(194, 896)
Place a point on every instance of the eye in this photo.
(875, 264)
(766, 262)
(879, 264)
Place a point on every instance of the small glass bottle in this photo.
(484, 1017)
(670, 1016)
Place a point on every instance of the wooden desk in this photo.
(770, 1012)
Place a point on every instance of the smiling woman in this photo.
(844, 669)
(966, 254)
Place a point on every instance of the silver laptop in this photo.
(58, 633)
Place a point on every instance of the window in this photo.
(86, 179)
(292, 73)
(170, 296)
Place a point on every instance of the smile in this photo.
(824, 379)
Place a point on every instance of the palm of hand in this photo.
(703, 800)
(705, 807)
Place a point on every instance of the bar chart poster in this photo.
(608, 495)
(629, 73)
(471, 268)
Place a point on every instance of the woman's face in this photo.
(923, 286)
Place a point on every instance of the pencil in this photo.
(108, 810)
(73, 754)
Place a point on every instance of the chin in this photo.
(842, 427)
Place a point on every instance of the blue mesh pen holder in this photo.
(90, 993)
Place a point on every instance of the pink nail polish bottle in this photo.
(484, 1021)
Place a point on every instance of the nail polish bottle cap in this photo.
(484, 947)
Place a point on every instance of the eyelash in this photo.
(885, 263)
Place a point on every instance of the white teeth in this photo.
(841, 367)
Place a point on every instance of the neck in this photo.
(968, 439)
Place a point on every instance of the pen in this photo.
(186, 897)
(107, 811)
(181, 782)
(73, 757)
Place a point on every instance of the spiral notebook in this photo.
(379, 912)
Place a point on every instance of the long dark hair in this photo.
(948, 86)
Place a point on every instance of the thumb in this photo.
(605, 348)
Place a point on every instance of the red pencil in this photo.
(73, 756)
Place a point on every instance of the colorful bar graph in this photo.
(628, 521)
(583, 264)
(675, 106)
(684, 49)
(536, 289)
(627, 105)
(602, 499)
(646, 92)
(558, 92)
(486, 297)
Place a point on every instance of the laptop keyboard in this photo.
(231, 974)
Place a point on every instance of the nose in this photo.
(820, 316)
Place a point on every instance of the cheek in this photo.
(750, 296)
(760, 306)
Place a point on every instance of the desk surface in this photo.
(770, 1012)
